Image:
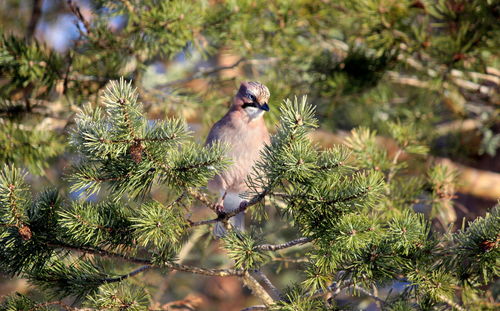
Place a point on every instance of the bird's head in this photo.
(252, 98)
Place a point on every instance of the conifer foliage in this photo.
(327, 195)
(103, 181)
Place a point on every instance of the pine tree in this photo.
(342, 220)
(331, 200)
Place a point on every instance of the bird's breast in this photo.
(244, 148)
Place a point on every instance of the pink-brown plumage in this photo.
(244, 131)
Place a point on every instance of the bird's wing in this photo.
(217, 131)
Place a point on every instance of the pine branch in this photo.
(51, 303)
(168, 264)
(128, 5)
(451, 303)
(36, 13)
(203, 198)
(257, 289)
(274, 290)
(369, 294)
(291, 260)
(76, 10)
(130, 274)
(203, 222)
(274, 247)
(334, 288)
(135, 140)
(223, 216)
(392, 170)
(202, 73)
(255, 308)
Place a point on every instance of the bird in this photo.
(245, 133)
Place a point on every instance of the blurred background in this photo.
(433, 66)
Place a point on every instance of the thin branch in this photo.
(203, 271)
(368, 293)
(246, 204)
(274, 290)
(411, 81)
(128, 5)
(392, 170)
(274, 247)
(221, 215)
(75, 9)
(51, 303)
(375, 293)
(130, 274)
(451, 303)
(457, 126)
(36, 13)
(134, 140)
(291, 260)
(255, 308)
(202, 222)
(334, 288)
(202, 73)
(257, 289)
(203, 198)
(167, 264)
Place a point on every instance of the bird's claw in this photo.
(219, 208)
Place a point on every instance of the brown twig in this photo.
(209, 71)
(255, 308)
(275, 247)
(276, 294)
(202, 222)
(221, 215)
(257, 289)
(167, 264)
(334, 288)
(291, 260)
(202, 73)
(368, 293)
(130, 274)
(451, 303)
(392, 170)
(36, 13)
(203, 198)
(75, 9)
(51, 303)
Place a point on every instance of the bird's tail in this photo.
(231, 202)
(219, 230)
(238, 222)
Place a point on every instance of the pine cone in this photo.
(25, 232)
(136, 152)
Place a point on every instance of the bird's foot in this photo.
(219, 208)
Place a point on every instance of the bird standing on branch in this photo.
(244, 131)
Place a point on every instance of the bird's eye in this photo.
(251, 96)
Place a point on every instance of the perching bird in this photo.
(244, 131)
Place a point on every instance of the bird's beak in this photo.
(264, 107)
